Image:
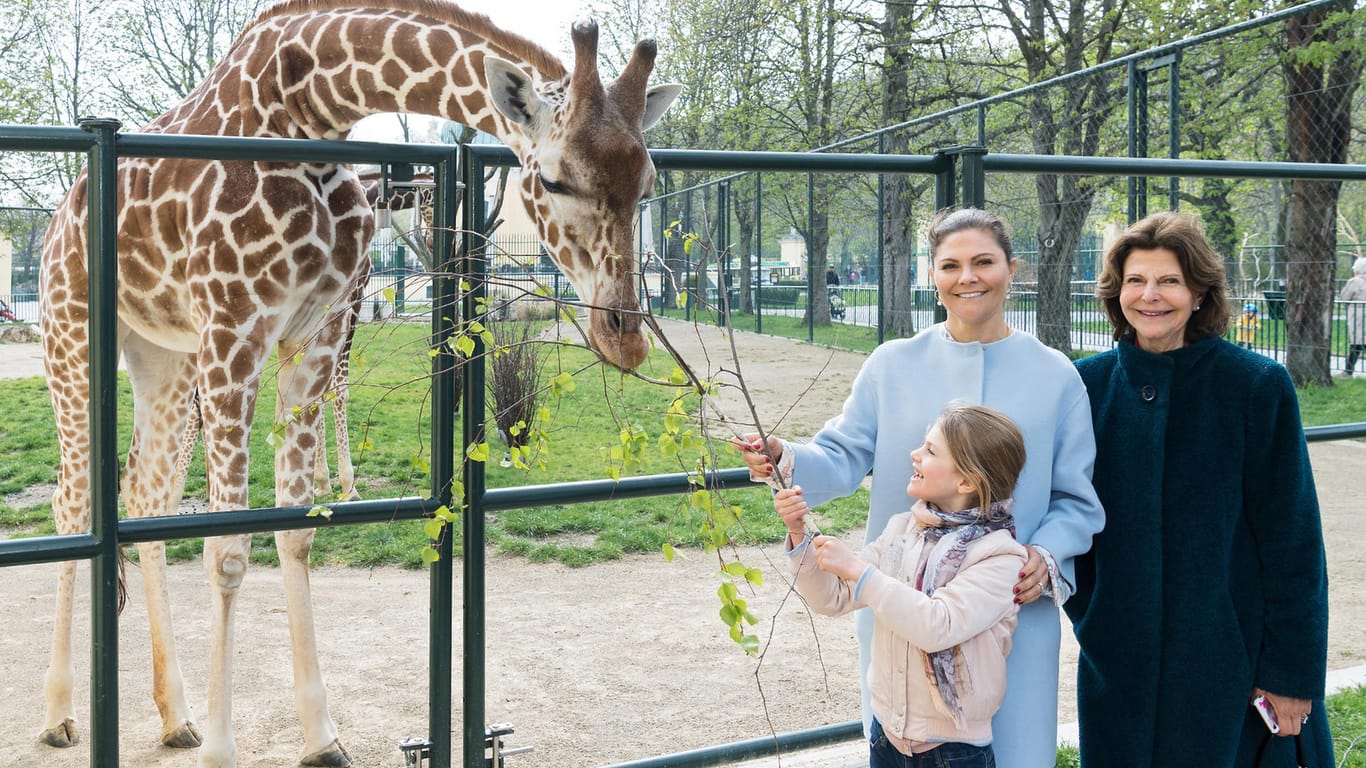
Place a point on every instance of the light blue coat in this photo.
(897, 395)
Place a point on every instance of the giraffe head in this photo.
(584, 169)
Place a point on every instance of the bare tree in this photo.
(1055, 38)
(174, 44)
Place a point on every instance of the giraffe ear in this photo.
(513, 94)
(657, 101)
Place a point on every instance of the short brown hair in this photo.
(950, 220)
(987, 447)
(1201, 267)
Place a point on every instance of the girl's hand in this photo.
(792, 507)
(760, 468)
(835, 557)
(1033, 578)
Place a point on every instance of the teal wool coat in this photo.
(1209, 578)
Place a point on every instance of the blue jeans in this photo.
(952, 754)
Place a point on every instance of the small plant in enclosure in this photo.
(514, 388)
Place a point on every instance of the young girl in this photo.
(939, 581)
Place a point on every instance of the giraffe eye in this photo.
(553, 187)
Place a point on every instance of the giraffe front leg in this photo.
(322, 745)
(59, 726)
(299, 385)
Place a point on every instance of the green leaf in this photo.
(700, 499)
(678, 376)
(433, 528)
(730, 615)
(430, 555)
(444, 512)
(668, 550)
(389, 294)
(754, 576)
(734, 569)
(466, 345)
(751, 644)
(477, 452)
(562, 384)
(727, 592)
(319, 510)
(668, 445)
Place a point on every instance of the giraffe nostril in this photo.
(614, 320)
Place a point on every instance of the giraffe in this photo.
(221, 262)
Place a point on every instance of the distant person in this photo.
(1355, 291)
(831, 278)
(1208, 587)
(938, 581)
(1245, 330)
(976, 357)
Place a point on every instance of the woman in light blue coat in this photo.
(975, 357)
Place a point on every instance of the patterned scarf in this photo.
(947, 535)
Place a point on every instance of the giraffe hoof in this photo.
(185, 737)
(62, 736)
(333, 756)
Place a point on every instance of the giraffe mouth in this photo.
(619, 336)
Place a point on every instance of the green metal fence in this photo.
(953, 179)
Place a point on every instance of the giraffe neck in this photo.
(308, 70)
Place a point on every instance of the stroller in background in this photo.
(836, 304)
(5, 313)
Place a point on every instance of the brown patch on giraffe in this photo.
(269, 292)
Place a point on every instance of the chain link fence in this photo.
(1241, 94)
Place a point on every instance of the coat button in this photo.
(1149, 393)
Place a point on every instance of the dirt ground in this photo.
(591, 666)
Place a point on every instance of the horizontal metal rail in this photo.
(753, 748)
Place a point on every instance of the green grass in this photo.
(390, 422)
(1347, 721)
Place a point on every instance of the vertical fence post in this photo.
(880, 254)
(1174, 126)
(1136, 202)
(810, 256)
(945, 196)
(102, 250)
(441, 572)
(759, 252)
(473, 270)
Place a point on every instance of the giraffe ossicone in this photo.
(222, 263)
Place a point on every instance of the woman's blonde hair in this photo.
(987, 447)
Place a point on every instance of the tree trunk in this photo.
(820, 258)
(1319, 94)
(898, 198)
(1311, 265)
(1062, 215)
(746, 251)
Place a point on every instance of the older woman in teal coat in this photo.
(1208, 586)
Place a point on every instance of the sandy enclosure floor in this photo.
(592, 666)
